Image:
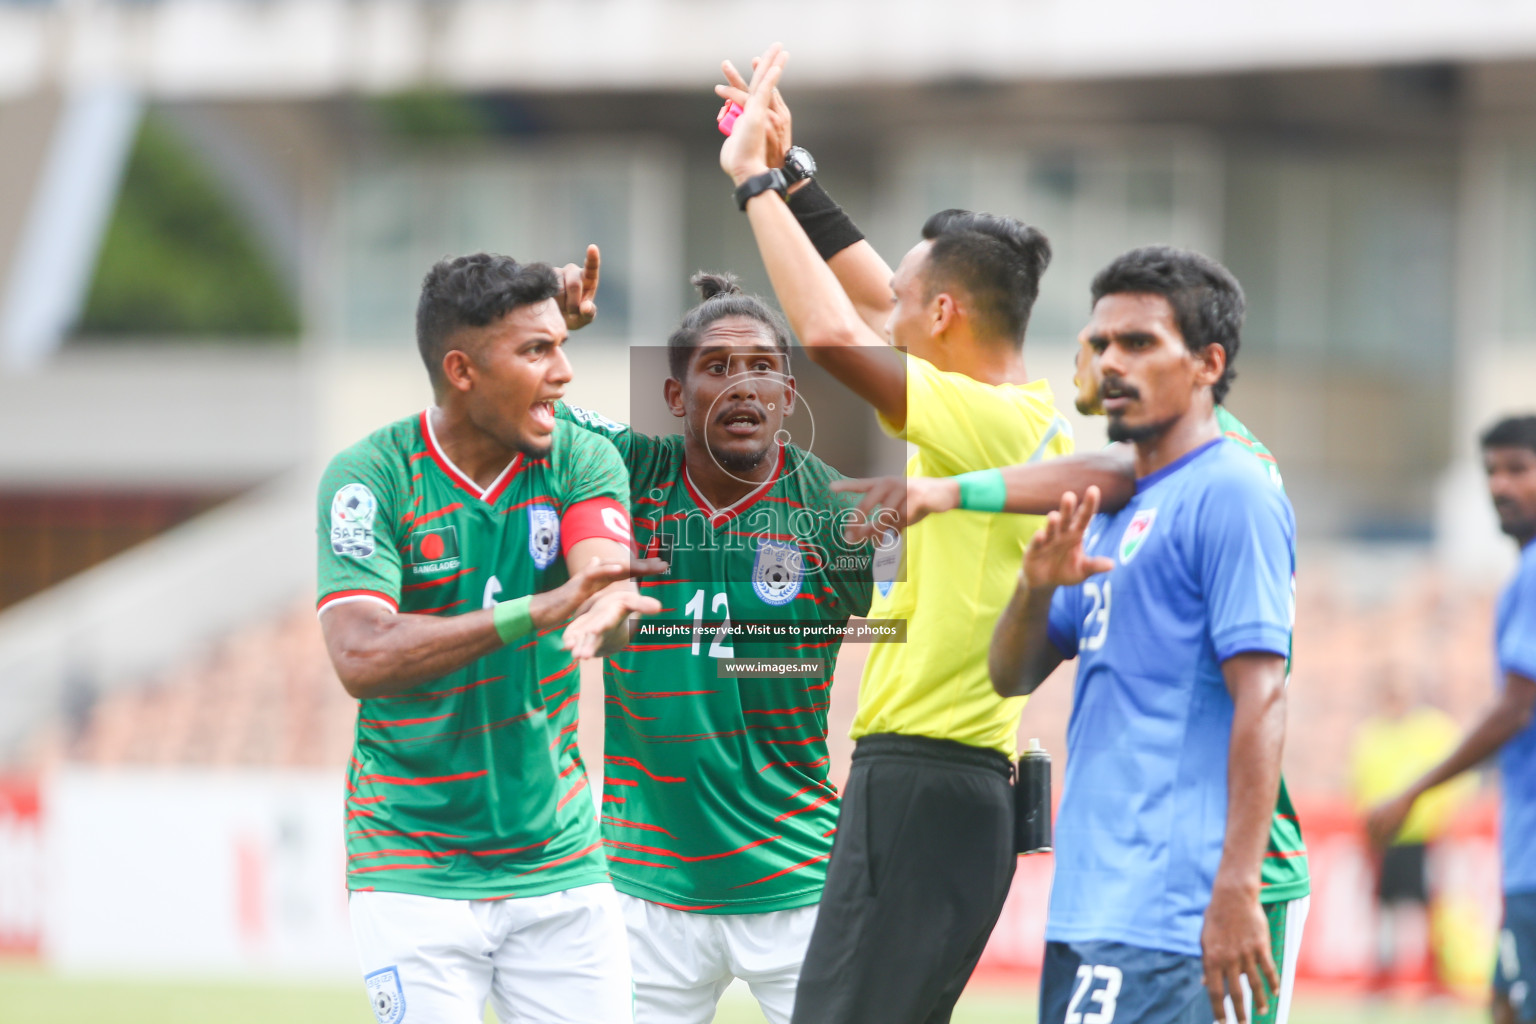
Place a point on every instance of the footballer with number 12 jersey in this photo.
(717, 812)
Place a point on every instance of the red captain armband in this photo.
(595, 517)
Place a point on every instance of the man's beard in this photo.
(740, 462)
(1118, 431)
(1513, 524)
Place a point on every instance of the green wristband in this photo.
(513, 619)
(983, 490)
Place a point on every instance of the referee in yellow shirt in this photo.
(924, 851)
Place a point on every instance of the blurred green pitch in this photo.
(31, 995)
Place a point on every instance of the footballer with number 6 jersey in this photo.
(1179, 609)
(717, 812)
(454, 545)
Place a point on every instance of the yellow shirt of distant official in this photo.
(955, 572)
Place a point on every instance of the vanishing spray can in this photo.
(1032, 801)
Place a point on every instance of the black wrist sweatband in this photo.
(826, 225)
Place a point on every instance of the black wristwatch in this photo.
(773, 178)
(799, 164)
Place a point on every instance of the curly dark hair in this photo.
(721, 297)
(1207, 301)
(474, 291)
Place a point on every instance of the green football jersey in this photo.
(469, 786)
(715, 790)
(1285, 875)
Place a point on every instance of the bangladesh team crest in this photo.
(352, 513)
(778, 571)
(543, 535)
(1136, 533)
(385, 995)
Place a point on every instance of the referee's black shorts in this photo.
(920, 868)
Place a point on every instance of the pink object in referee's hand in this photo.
(728, 122)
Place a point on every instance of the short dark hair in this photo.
(474, 291)
(1511, 432)
(721, 297)
(1207, 301)
(997, 260)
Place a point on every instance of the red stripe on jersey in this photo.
(676, 906)
(512, 849)
(424, 780)
(359, 814)
(427, 516)
(417, 456)
(818, 763)
(730, 853)
(407, 866)
(580, 785)
(388, 722)
(797, 743)
(1286, 853)
(476, 730)
(719, 517)
(785, 711)
(787, 501)
(819, 801)
(607, 781)
(439, 608)
(541, 499)
(645, 863)
(570, 768)
(655, 647)
(375, 833)
(556, 675)
(633, 763)
(625, 823)
(337, 595)
(649, 501)
(405, 853)
(777, 874)
(433, 694)
(563, 860)
(364, 799)
(438, 583)
(824, 643)
(609, 798)
(636, 695)
(627, 711)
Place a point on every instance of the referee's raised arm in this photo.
(822, 315)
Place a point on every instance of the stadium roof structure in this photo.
(315, 48)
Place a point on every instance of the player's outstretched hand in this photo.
(1055, 556)
(896, 502)
(745, 151)
(780, 124)
(1386, 820)
(553, 607)
(585, 635)
(578, 290)
(1234, 942)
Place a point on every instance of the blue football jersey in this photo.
(1204, 571)
(1515, 639)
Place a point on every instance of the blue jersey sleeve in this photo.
(1061, 627)
(1517, 637)
(1246, 561)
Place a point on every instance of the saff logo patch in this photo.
(352, 513)
(434, 550)
(778, 571)
(1136, 533)
(385, 995)
(543, 535)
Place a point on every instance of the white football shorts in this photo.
(683, 961)
(561, 958)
